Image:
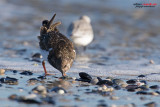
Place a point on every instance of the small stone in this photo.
(114, 98)
(151, 104)
(13, 97)
(105, 82)
(40, 90)
(99, 79)
(94, 81)
(143, 88)
(102, 105)
(124, 85)
(37, 55)
(154, 93)
(140, 83)
(15, 71)
(132, 81)
(117, 87)
(33, 80)
(31, 96)
(118, 81)
(131, 90)
(26, 73)
(86, 76)
(9, 80)
(154, 87)
(59, 90)
(151, 62)
(2, 71)
(142, 92)
(141, 76)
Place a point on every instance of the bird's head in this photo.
(86, 18)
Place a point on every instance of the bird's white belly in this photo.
(83, 40)
(44, 54)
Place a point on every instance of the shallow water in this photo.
(126, 39)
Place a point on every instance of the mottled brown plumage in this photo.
(61, 50)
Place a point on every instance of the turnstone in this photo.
(81, 32)
(55, 48)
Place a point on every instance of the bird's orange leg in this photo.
(43, 63)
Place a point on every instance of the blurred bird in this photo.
(57, 49)
(81, 32)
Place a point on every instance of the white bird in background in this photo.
(81, 32)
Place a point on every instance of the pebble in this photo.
(154, 87)
(15, 71)
(13, 97)
(2, 71)
(37, 55)
(151, 62)
(86, 76)
(40, 90)
(131, 90)
(26, 73)
(102, 105)
(105, 82)
(9, 80)
(58, 90)
(99, 79)
(154, 93)
(114, 98)
(132, 81)
(151, 104)
(117, 87)
(142, 92)
(33, 80)
(118, 81)
(94, 81)
(141, 76)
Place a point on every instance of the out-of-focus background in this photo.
(123, 32)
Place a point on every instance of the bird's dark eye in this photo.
(45, 22)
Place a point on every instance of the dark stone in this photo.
(151, 104)
(131, 90)
(154, 87)
(118, 81)
(13, 97)
(117, 87)
(141, 76)
(143, 81)
(9, 80)
(157, 92)
(33, 80)
(29, 101)
(26, 73)
(15, 71)
(132, 87)
(41, 77)
(37, 55)
(102, 105)
(105, 82)
(132, 81)
(83, 80)
(99, 79)
(84, 75)
(56, 89)
(142, 93)
(143, 88)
